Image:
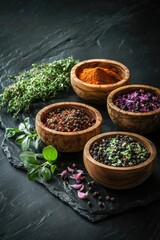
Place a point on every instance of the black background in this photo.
(43, 31)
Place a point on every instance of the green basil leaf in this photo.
(21, 126)
(33, 174)
(39, 155)
(25, 144)
(29, 157)
(11, 132)
(45, 173)
(36, 142)
(20, 138)
(27, 123)
(50, 153)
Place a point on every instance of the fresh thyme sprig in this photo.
(39, 83)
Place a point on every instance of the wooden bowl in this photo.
(68, 141)
(141, 123)
(119, 177)
(97, 93)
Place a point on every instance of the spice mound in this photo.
(99, 75)
(138, 101)
(68, 120)
(119, 151)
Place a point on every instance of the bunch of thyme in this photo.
(39, 83)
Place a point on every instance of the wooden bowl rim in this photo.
(98, 118)
(131, 86)
(101, 86)
(145, 141)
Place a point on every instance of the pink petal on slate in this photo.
(76, 186)
(82, 195)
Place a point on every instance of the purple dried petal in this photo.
(70, 169)
(82, 195)
(138, 101)
(77, 186)
(82, 188)
(77, 177)
(80, 171)
(63, 173)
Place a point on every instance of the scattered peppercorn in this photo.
(100, 198)
(107, 197)
(91, 189)
(74, 165)
(89, 203)
(101, 204)
(112, 199)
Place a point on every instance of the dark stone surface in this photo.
(43, 31)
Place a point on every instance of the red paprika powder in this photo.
(99, 75)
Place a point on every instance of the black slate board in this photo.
(124, 199)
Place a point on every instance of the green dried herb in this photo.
(39, 83)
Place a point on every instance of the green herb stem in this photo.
(39, 83)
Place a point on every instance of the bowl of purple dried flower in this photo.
(119, 159)
(135, 108)
(68, 125)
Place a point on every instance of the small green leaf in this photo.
(21, 126)
(53, 168)
(36, 142)
(27, 123)
(33, 174)
(50, 153)
(25, 144)
(45, 173)
(24, 126)
(20, 138)
(11, 132)
(29, 159)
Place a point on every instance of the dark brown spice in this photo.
(101, 204)
(89, 203)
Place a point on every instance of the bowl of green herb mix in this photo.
(119, 160)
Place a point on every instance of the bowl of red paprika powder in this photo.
(93, 79)
(68, 125)
(135, 108)
(119, 160)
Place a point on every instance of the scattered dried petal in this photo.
(70, 169)
(63, 173)
(77, 186)
(82, 188)
(77, 177)
(82, 195)
(80, 171)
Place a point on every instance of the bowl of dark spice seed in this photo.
(93, 79)
(68, 125)
(119, 160)
(135, 108)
